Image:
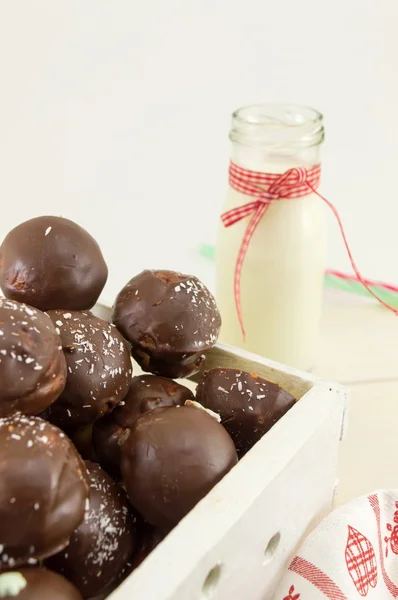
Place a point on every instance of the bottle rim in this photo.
(281, 126)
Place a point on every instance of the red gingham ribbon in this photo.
(267, 188)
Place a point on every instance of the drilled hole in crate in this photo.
(211, 582)
(271, 548)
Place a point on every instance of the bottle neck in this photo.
(267, 160)
(276, 137)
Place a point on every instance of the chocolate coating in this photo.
(82, 437)
(149, 537)
(103, 542)
(36, 584)
(43, 490)
(32, 365)
(170, 320)
(146, 393)
(99, 368)
(51, 262)
(171, 460)
(248, 404)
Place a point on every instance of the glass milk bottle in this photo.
(272, 286)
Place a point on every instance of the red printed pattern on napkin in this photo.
(317, 578)
(347, 564)
(390, 585)
(392, 539)
(361, 561)
(291, 595)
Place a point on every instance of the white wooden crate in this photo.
(236, 543)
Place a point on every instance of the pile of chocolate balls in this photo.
(98, 465)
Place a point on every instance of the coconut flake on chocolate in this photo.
(248, 404)
(36, 584)
(32, 365)
(43, 490)
(51, 262)
(102, 544)
(170, 320)
(195, 404)
(99, 368)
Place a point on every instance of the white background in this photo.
(116, 113)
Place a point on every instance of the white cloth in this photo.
(353, 553)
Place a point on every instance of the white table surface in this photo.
(359, 347)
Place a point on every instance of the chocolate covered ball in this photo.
(43, 490)
(51, 262)
(102, 544)
(99, 368)
(170, 319)
(82, 437)
(247, 404)
(149, 538)
(32, 364)
(36, 583)
(146, 393)
(172, 458)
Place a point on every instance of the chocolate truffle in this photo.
(248, 404)
(32, 364)
(146, 393)
(82, 437)
(171, 460)
(99, 368)
(149, 538)
(43, 490)
(103, 542)
(170, 320)
(36, 584)
(51, 262)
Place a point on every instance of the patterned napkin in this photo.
(351, 554)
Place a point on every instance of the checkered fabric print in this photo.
(272, 186)
(361, 561)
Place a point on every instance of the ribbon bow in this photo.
(268, 188)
